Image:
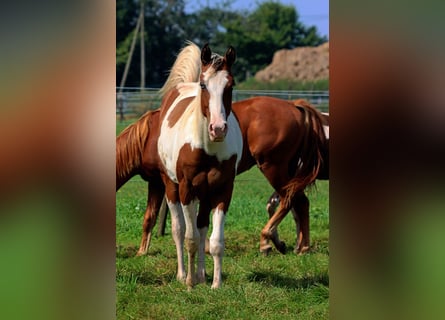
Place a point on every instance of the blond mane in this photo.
(186, 68)
(130, 145)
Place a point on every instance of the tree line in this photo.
(255, 34)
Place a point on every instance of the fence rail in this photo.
(133, 102)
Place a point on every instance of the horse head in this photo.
(216, 82)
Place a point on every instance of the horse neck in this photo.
(192, 120)
(127, 161)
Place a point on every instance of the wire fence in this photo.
(133, 102)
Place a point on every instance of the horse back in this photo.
(269, 126)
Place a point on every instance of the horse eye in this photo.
(203, 86)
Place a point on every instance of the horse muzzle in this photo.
(217, 133)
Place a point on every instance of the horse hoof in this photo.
(190, 282)
(266, 250)
(180, 278)
(141, 253)
(302, 250)
(282, 247)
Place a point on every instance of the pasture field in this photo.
(254, 286)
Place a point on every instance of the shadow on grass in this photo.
(125, 252)
(150, 279)
(278, 280)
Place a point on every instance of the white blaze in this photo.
(215, 85)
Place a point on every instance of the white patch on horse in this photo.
(172, 139)
(192, 128)
(215, 85)
(326, 127)
(326, 131)
(217, 246)
(178, 232)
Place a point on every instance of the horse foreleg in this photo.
(147, 226)
(217, 246)
(192, 240)
(301, 216)
(154, 201)
(178, 232)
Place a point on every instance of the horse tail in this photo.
(130, 145)
(309, 152)
(186, 68)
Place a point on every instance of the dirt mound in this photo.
(303, 64)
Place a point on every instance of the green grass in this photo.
(121, 125)
(254, 286)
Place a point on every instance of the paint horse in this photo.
(276, 134)
(199, 147)
(300, 209)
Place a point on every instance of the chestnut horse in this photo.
(288, 134)
(137, 154)
(286, 141)
(199, 147)
(300, 209)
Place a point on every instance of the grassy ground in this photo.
(254, 286)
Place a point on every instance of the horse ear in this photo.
(230, 56)
(206, 54)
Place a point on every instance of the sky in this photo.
(311, 12)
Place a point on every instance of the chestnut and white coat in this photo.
(199, 146)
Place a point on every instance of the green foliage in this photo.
(256, 35)
(254, 286)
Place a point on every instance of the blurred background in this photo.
(62, 65)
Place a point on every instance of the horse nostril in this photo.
(218, 129)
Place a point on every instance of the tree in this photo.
(126, 19)
(164, 36)
(258, 35)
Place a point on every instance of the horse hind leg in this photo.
(272, 203)
(203, 227)
(300, 212)
(154, 201)
(271, 207)
(269, 232)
